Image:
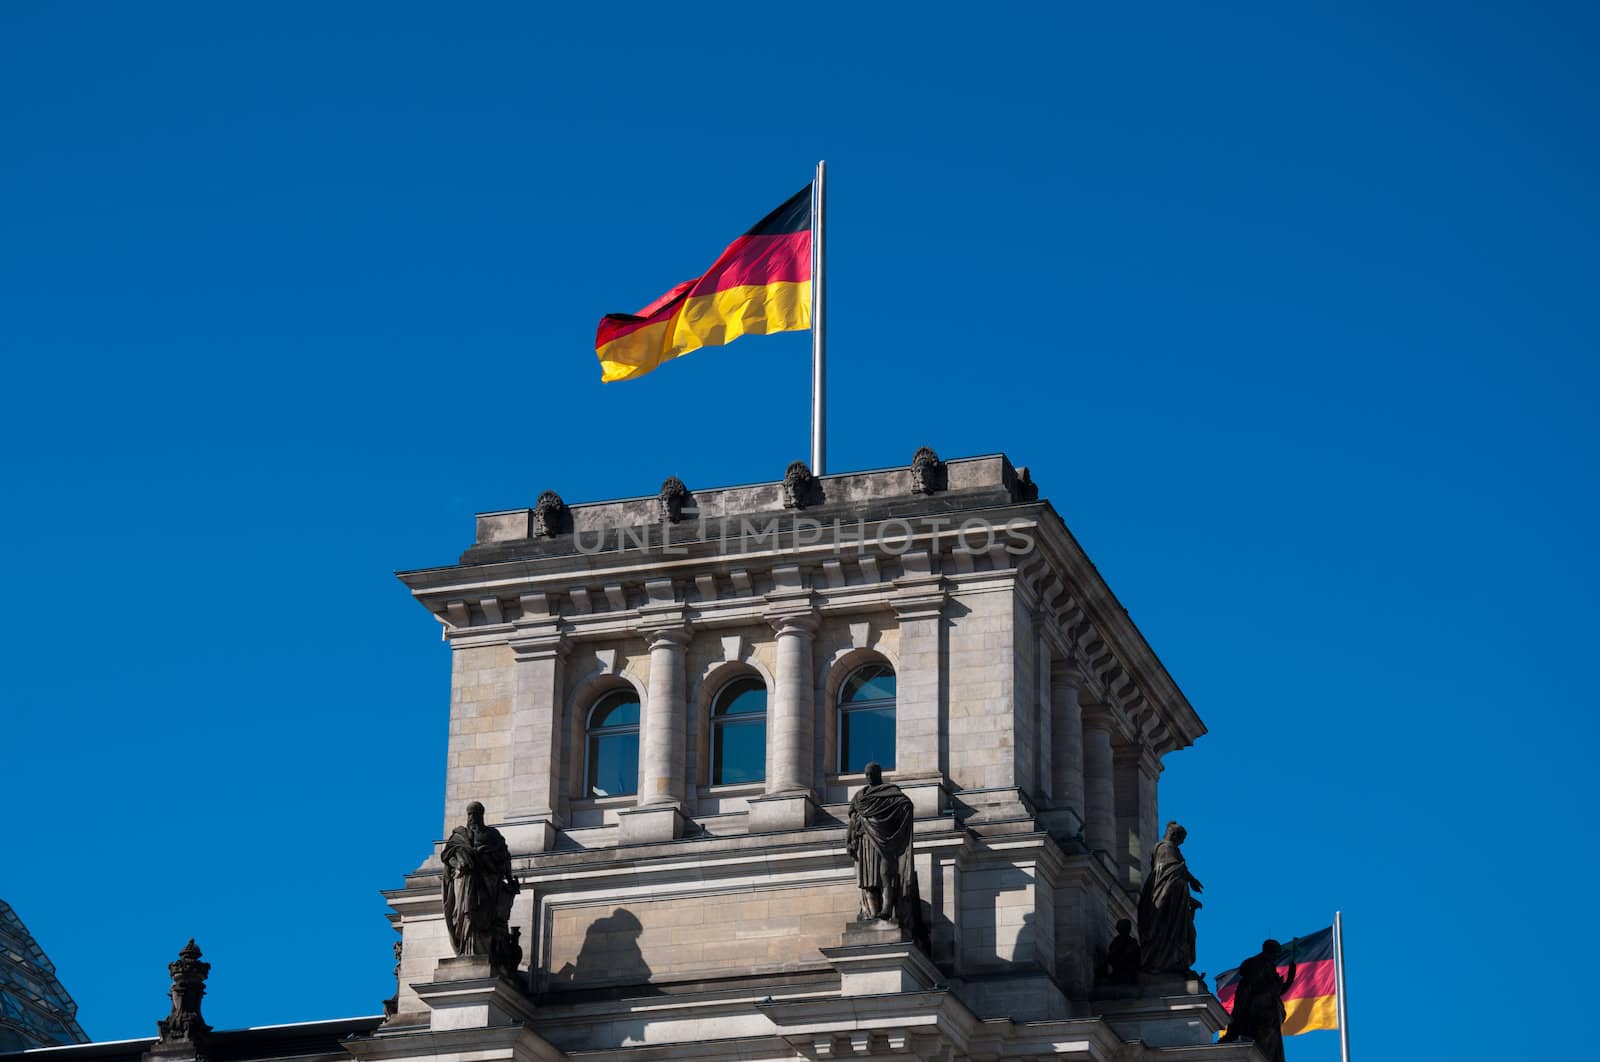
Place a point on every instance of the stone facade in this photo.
(694, 920)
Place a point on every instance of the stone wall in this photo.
(478, 765)
(708, 935)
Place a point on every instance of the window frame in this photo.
(609, 699)
(842, 709)
(720, 722)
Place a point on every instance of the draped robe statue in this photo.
(879, 841)
(1258, 1010)
(478, 890)
(1167, 907)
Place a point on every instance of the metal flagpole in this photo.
(1338, 985)
(819, 375)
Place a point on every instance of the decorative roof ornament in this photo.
(391, 1006)
(184, 1031)
(547, 513)
(673, 495)
(927, 472)
(1027, 489)
(798, 485)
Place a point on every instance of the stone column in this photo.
(790, 800)
(1066, 754)
(1149, 813)
(1128, 852)
(534, 813)
(662, 743)
(1099, 797)
(663, 729)
(790, 748)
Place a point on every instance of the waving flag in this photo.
(761, 284)
(1312, 1001)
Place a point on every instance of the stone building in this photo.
(665, 704)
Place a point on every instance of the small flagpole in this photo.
(819, 375)
(1338, 984)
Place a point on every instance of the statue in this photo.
(879, 841)
(1166, 909)
(391, 1006)
(184, 1027)
(478, 890)
(672, 498)
(547, 513)
(1258, 1002)
(927, 471)
(798, 485)
(1122, 958)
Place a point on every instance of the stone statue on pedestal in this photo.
(184, 1031)
(478, 890)
(1258, 1002)
(1166, 909)
(879, 842)
(1122, 958)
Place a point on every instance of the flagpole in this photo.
(819, 202)
(1338, 983)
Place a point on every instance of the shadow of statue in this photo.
(610, 955)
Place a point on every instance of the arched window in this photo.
(612, 740)
(739, 732)
(866, 719)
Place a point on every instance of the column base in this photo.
(926, 792)
(466, 994)
(536, 834)
(879, 957)
(657, 822)
(775, 812)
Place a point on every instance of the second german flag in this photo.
(760, 284)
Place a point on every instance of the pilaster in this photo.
(919, 606)
(533, 815)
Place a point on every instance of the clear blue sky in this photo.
(1292, 315)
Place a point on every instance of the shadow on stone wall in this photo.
(610, 954)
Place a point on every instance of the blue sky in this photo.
(1290, 313)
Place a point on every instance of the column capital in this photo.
(795, 623)
(1099, 717)
(1066, 675)
(1138, 754)
(674, 637)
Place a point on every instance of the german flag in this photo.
(760, 284)
(1312, 1002)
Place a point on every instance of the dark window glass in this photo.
(866, 719)
(613, 746)
(739, 733)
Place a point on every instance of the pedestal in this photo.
(781, 811)
(879, 957)
(658, 822)
(466, 994)
(1161, 1011)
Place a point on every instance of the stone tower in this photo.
(665, 704)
